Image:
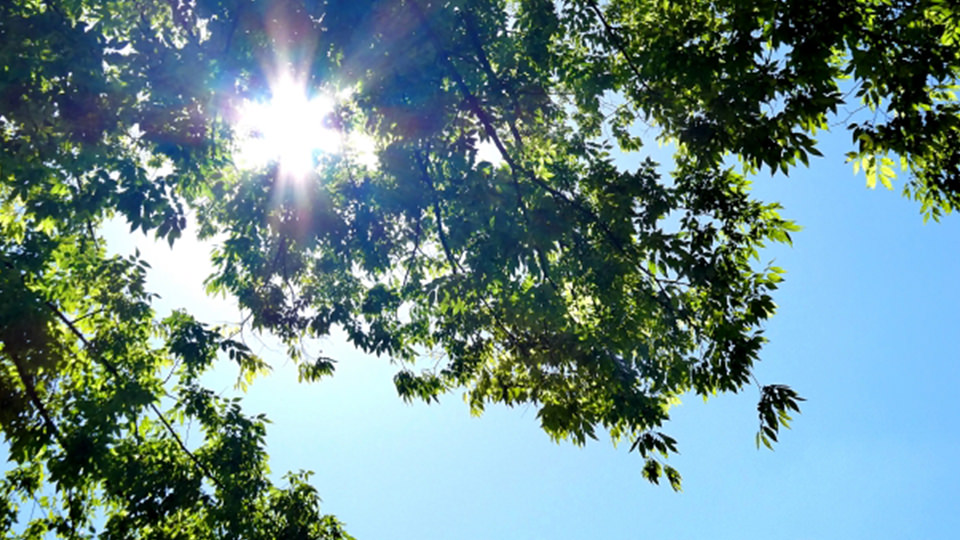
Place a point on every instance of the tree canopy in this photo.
(548, 276)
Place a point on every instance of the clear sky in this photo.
(867, 331)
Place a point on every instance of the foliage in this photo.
(550, 277)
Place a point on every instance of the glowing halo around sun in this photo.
(291, 129)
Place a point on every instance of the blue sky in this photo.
(866, 331)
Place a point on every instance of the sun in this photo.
(291, 128)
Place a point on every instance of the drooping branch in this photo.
(448, 253)
(415, 250)
(486, 121)
(473, 34)
(113, 370)
(617, 40)
(425, 176)
(27, 380)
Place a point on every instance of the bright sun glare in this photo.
(291, 129)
